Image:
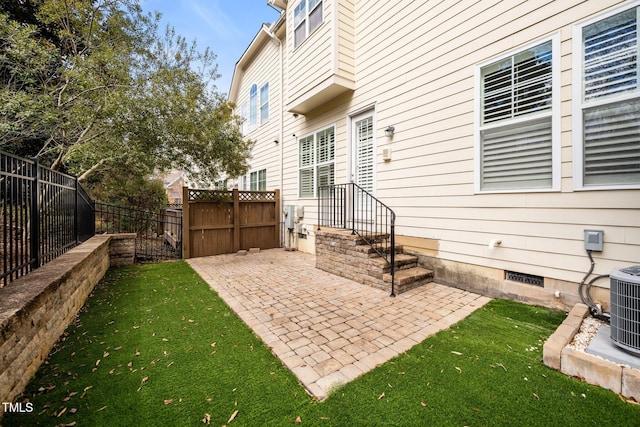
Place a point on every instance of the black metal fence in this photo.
(158, 234)
(44, 213)
(351, 207)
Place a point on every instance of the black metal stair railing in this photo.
(351, 207)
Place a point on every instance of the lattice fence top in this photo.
(257, 195)
(210, 195)
(227, 196)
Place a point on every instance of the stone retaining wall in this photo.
(36, 309)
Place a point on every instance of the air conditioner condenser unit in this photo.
(625, 308)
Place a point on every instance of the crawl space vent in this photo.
(527, 279)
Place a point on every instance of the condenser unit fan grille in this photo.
(625, 308)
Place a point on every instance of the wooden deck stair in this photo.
(346, 255)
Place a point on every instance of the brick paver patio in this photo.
(326, 329)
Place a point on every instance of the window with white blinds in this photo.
(365, 155)
(516, 121)
(610, 101)
(307, 16)
(316, 161)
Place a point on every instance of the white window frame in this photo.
(264, 103)
(258, 180)
(253, 107)
(315, 164)
(555, 116)
(579, 105)
(244, 114)
(305, 20)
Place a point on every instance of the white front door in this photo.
(363, 153)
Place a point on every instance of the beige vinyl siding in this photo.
(313, 61)
(414, 63)
(345, 36)
(422, 80)
(265, 68)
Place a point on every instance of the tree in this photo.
(91, 87)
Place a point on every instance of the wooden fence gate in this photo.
(222, 222)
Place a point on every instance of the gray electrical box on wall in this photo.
(289, 219)
(593, 240)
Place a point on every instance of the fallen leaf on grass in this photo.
(144, 380)
(206, 419)
(233, 416)
(84, 393)
(97, 362)
(536, 396)
(457, 353)
(102, 409)
(69, 396)
(298, 419)
(381, 396)
(73, 410)
(137, 353)
(459, 370)
(424, 404)
(59, 414)
(168, 401)
(105, 354)
(71, 424)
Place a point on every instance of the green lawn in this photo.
(155, 346)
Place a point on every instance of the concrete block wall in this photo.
(36, 309)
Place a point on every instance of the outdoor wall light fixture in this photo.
(389, 131)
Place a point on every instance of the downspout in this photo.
(280, 45)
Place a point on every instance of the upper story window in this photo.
(253, 107)
(606, 97)
(244, 114)
(264, 103)
(258, 180)
(517, 139)
(316, 161)
(307, 16)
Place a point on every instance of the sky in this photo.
(225, 26)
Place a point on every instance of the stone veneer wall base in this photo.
(36, 309)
